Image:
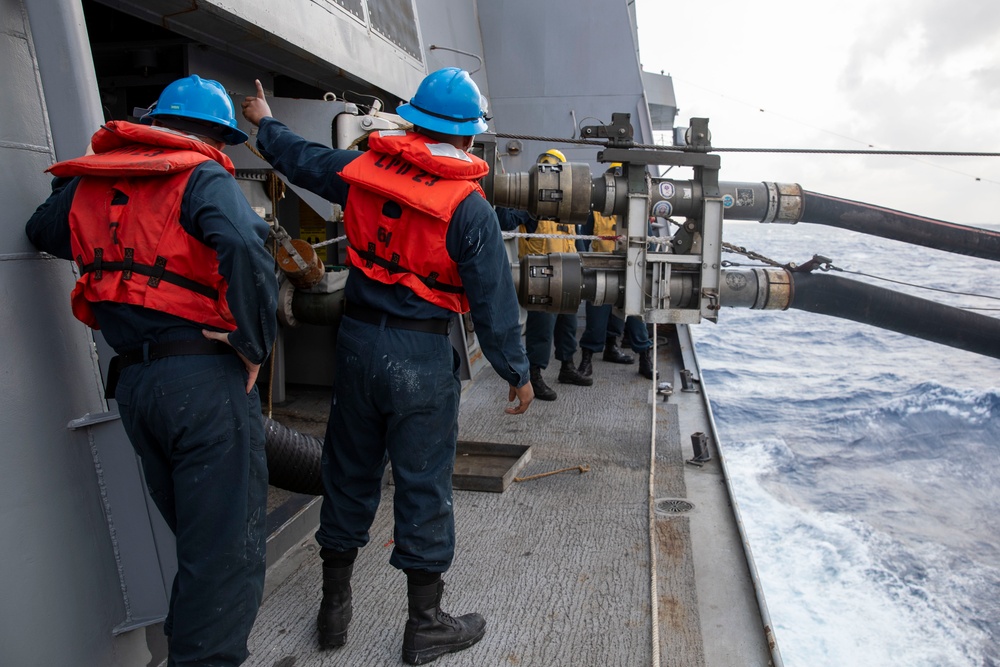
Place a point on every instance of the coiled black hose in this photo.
(293, 459)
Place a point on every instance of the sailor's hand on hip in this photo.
(255, 108)
(524, 395)
(252, 369)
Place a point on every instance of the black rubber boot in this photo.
(335, 609)
(646, 364)
(430, 632)
(543, 392)
(569, 375)
(586, 367)
(614, 354)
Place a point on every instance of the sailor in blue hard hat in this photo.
(197, 106)
(424, 244)
(448, 102)
(174, 271)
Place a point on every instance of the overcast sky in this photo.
(893, 74)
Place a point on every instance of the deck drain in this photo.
(671, 506)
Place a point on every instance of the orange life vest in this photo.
(428, 180)
(125, 228)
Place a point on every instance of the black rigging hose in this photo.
(899, 226)
(293, 459)
(895, 311)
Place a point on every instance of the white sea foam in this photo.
(832, 585)
(868, 467)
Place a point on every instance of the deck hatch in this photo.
(486, 466)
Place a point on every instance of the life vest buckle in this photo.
(98, 263)
(157, 272)
(127, 264)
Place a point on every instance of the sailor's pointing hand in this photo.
(255, 108)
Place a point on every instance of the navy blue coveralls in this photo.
(602, 322)
(541, 328)
(396, 391)
(199, 434)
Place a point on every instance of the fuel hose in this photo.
(887, 309)
(906, 227)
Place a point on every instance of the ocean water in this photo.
(866, 463)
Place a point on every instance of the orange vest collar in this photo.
(128, 149)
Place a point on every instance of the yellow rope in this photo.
(276, 190)
(253, 150)
(270, 373)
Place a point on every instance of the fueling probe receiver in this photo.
(661, 275)
(667, 263)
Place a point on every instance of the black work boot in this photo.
(335, 609)
(586, 367)
(646, 364)
(614, 354)
(430, 632)
(569, 375)
(543, 392)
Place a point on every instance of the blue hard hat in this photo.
(199, 99)
(448, 101)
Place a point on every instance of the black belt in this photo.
(173, 348)
(373, 316)
(154, 351)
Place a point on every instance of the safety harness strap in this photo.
(395, 267)
(156, 273)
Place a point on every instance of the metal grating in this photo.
(673, 506)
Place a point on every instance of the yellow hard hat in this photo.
(614, 165)
(552, 156)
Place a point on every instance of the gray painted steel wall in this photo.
(60, 595)
(452, 25)
(582, 59)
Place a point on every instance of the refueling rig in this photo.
(672, 272)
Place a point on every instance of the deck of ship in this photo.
(559, 565)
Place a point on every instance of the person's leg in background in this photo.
(602, 334)
(641, 345)
(538, 343)
(612, 343)
(565, 342)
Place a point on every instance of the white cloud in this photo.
(898, 74)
